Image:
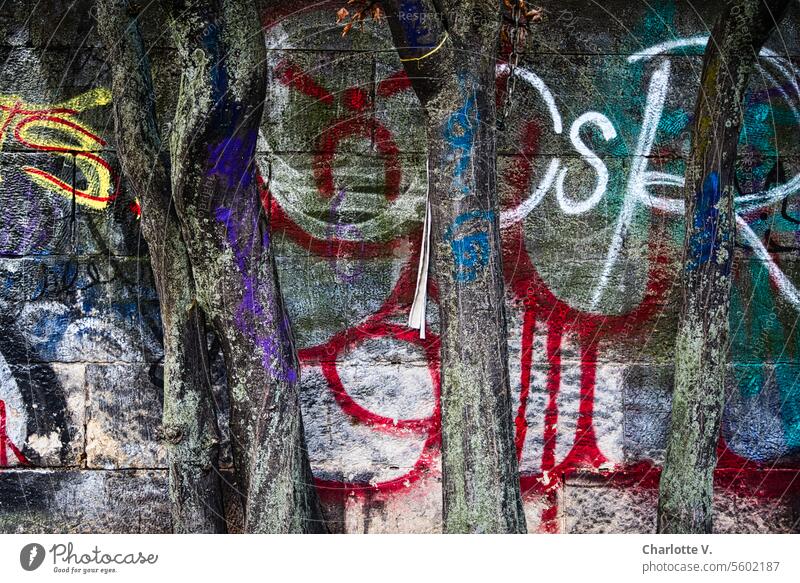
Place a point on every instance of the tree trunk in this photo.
(449, 52)
(220, 104)
(701, 350)
(189, 422)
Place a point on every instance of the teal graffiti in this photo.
(770, 346)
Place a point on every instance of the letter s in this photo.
(572, 207)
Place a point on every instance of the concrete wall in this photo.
(605, 96)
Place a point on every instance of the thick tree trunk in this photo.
(449, 53)
(189, 423)
(701, 351)
(221, 100)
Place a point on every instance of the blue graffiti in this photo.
(219, 75)
(470, 251)
(705, 241)
(459, 133)
(412, 17)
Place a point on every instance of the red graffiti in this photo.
(355, 126)
(379, 325)
(560, 318)
(6, 443)
(293, 77)
(539, 305)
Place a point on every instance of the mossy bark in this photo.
(213, 262)
(450, 53)
(701, 350)
(189, 422)
(220, 105)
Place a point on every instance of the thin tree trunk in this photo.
(214, 136)
(189, 422)
(450, 55)
(701, 350)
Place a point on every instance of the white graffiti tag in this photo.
(780, 72)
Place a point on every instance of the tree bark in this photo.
(189, 422)
(701, 350)
(212, 258)
(449, 53)
(220, 104)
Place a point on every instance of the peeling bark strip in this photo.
(449, 51)
(190, 429)
(701, 350)
(220, 104)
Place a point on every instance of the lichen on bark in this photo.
(456, 87)
(217, 266)
(701, 350)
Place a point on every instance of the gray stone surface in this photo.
(83, 501)
(123, 421)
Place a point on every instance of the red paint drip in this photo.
(549, 520)
(585, 452)
(521, 422)
(6, 443)
(553, 384)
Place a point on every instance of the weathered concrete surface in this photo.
(610, 510)
(53, 501)
(343, 151)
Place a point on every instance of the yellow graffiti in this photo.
(56, 129)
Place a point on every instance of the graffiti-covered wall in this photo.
(590, 172)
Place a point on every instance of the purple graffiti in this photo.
(340, 232)
(253, 318)
(232, 160)
(39, 229)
